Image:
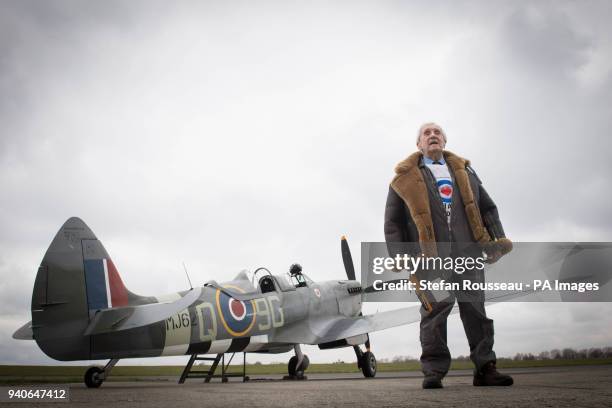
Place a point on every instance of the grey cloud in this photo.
(16, 289)
(542, 37)
(521, 85)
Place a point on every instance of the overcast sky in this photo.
(233, 135)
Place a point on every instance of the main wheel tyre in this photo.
(368, 364)
(92, 377)
(295, 371)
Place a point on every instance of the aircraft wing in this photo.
(328, 329)
(129, 317)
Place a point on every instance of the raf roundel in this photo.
(237, 317)
(445, 187)
(237, 309)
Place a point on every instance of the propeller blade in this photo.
(347, 259)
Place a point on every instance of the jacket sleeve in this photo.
(395, 218)
(488, 209)
(490, 215)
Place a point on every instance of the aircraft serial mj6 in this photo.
(81, 310)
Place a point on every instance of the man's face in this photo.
(431, 141)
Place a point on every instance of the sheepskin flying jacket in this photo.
(414, 210)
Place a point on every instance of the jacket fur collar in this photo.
(409, 184)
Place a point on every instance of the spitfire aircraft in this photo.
(81, 310)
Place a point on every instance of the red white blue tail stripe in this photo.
(104, 286)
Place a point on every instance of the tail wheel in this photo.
(368, 364)
(294, 370)
(93, 378)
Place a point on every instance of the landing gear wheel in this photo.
(92, 377)
(367, 364)
(295, 371)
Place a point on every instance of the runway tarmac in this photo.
(534, 387)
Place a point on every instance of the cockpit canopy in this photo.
(283, 282)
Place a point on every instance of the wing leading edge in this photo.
(329, 329)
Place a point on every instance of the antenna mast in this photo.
(189, 280)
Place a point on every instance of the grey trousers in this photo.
(435, 357)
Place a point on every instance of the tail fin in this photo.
(75, 279)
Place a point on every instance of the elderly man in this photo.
(437, 200)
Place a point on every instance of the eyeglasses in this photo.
(436, 132)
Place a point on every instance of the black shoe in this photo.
(489, 376)
(432, 381)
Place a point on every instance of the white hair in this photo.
(424, 125)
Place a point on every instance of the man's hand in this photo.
(496, 249)
(492, 254)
